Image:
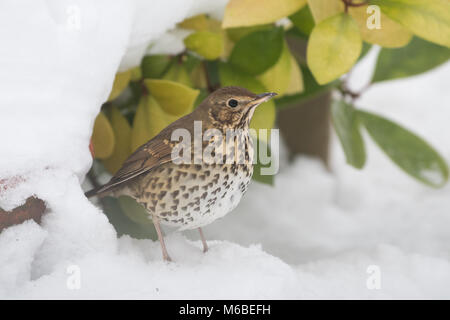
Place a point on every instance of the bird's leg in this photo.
(161, 239)
(205, 245)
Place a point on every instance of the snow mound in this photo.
(226, 271)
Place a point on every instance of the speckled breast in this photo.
(188, 196)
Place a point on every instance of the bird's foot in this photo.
(202, 237)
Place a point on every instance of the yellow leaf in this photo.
(159, 119)
(197, 23)
(149, 120)
(322, 9)
(235, 34)
(140, 132)
(122, 134)
(240, 13)
(200, 22)
(207, 44)
(391, 34)
(136, 74)
(144, 122)
(178, 73)
(102, 137)
(228, 46)
(174, 98)
(120, 83)
(264, 118)
(333, 47)
(425, 18)
(296, 80)
(277, 78)
(214, 25)
(198, 76)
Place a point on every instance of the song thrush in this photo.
(194, 193)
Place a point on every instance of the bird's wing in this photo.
(150, 155)
(147, 157)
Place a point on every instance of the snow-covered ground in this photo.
(313, 235)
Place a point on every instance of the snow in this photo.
(314, 235)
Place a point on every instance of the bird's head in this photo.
(232, 107)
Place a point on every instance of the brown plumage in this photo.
(191, 195)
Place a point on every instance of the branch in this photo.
(352, 94)
(209, 84)
(349, 3)
(33, 208)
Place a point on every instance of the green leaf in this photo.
(204, 93)
(333, 47)
(427, 19)
(190, 62)
(207, 44)
(417, 57)
(257, 176)
(241, 13)
(365, 50)
(410, 152)
(198, 77)
(154, 66)
(114, 211)
(136, 73)
(277, 78)
(346, 124)
(303, 20)
(258, 51)
(134, 211)
(230, 76)
(264, 116)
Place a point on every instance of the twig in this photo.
(209, 85)
(353, 94)
(349, 3)
(180, 56)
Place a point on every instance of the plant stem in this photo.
(209, 85)
(353, 94)
(349, 3)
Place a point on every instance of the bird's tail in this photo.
(91, 193)
(99, 191)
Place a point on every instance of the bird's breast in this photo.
(192, 195)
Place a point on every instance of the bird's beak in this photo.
(263, 97)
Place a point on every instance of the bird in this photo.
(191, 194)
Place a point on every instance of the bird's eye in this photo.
(232, 103)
